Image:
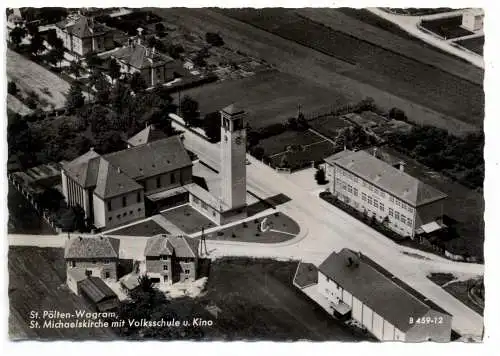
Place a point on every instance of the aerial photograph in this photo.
(244, 174)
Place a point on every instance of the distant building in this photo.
(385, 191)
(231, 204)
(154, 67)
(91, 256)
(472, 20)
(14, 18)
(350, 285)
(147, 135)
(112, 188)
(81, 35)
(95, 291)
(171, 259)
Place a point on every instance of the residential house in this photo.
(112, 188)
(95, 256)
(171, 259)
(149, 134)
(82, 35)
(386, 192)
(350, 285)
(154, 67)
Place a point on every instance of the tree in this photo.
(54, 41)
(12, 88)
(320, 176)
(36, 45)
(211, 126)
(214, 39)
(93, 60)
(160, 29)
(55, 56)
(102, 87)
(75, 68)
(189, 110)
(16, 35)
(137, 82)
(75, 99)
(114, 69)
(258, 152)
(175, 50)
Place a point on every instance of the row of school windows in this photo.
(124, 214)
(375, 190)
(124, 202)
(204, 205)
(404, 219)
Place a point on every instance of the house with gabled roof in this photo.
(351, 286)
(82, 35)
(90, 256)
(385, 191)
(112, 188)
(171, 259)
(149, 134)
(154, 67)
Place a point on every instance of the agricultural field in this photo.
(446, 27)
(30, 76)
(474, 44)
(37, 282)
(253, 94)
(330, 75)
(386, 70)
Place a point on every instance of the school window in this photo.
(355, 192)
(391, 212)
(338, 181)
(73, 264)
(409, 222)
(382, 194)
(381, 207)
(396, 215)
(344, 186)
(106, 275)
(371, 188)
(391, 199)
(403, 219)
(375, 190)
(158, 182)
(172, 178)
(375, 203)
(109, 205)
(186, 271)
(165, 267)
(124, 202)
(410, 209)
(370, 201)
(107, 262)
(349, 188)
(138, 197)
(363, 196)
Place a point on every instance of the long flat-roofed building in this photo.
(350, 285)
(385, 191)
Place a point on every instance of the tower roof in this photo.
(233, 109)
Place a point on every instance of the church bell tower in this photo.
(233, 157)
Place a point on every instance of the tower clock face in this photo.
(238, 140)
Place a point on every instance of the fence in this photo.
(33, 202)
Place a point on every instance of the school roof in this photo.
(165, 244)
(149, 134)
(116, 173)
(95, 289)
(92, 247)
(375, 287)
(390, 179)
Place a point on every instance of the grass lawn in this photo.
(187, 219)
(448, 27)
(281, 228)
(146, 228)
(258, 301)
(475, 44)
(278, 143)
(268, 97)
(457, 289)
(37, 283)
(307, 274)
(31, 76)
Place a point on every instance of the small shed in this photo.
(98, 293)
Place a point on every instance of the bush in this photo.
(320, 176)
(12, 88)
(214, 39)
